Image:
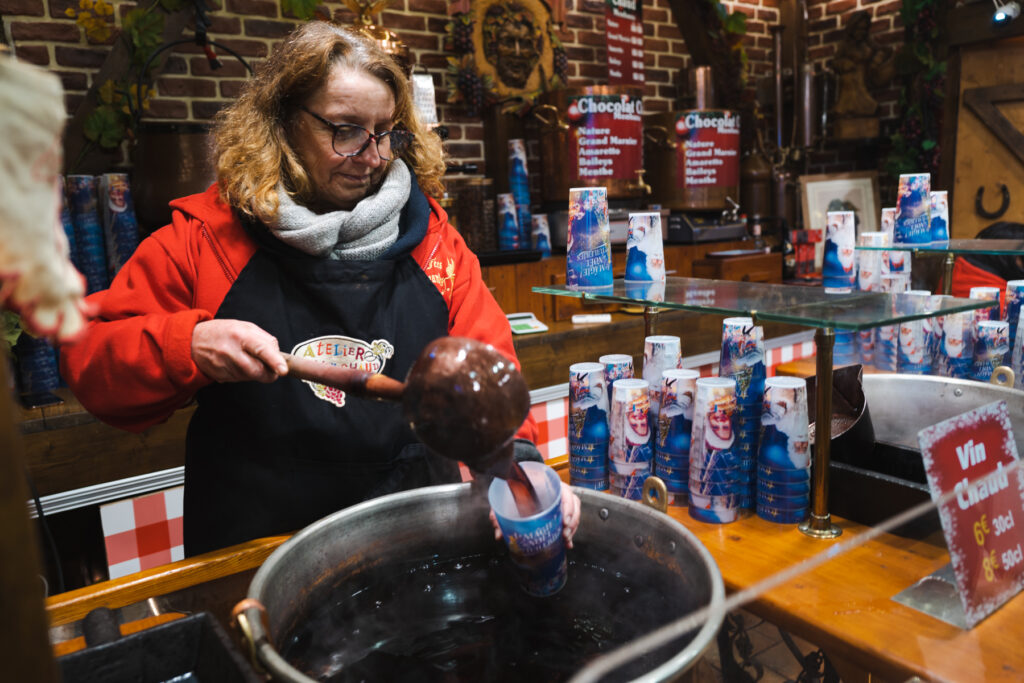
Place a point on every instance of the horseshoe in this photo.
(991, 215)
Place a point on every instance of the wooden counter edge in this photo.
(74, 605)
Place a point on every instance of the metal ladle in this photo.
(462, 398)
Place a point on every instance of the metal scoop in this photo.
(462, 398)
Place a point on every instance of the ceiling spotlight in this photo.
(1005, 11)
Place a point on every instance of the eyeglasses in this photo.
(350, 140)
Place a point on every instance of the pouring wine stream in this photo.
(462, 398)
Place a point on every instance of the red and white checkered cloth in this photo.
(144, 532)
(552, 419)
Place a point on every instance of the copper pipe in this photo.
(777, 76)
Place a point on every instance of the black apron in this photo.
(265, 459)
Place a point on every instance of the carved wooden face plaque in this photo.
(512, 45)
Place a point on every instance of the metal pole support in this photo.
(819, 524)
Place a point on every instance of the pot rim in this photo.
(282, 670)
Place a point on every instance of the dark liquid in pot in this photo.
(467, 619)
(527, 502)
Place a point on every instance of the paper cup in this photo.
(588, 240)
(645, 255)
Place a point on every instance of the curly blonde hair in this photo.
(253, 152)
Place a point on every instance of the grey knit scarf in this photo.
(364, 233)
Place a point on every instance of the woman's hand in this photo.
(570, 516)
(236, 351)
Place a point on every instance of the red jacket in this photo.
(133, 367)
(967, 275)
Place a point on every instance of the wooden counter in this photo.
(843, 606)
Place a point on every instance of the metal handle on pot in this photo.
(654, 494)
(661, 139)
(557, 123)
(239, 618)
(1003, 377)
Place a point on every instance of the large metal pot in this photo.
(427, 559)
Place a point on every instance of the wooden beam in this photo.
(982, 101)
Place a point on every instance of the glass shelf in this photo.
(802, 305)
(995, 247)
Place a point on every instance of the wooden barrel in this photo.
(591, 136)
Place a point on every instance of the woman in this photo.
(319, 239)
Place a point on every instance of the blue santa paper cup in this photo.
(782, 516)
(782, 475)
(645, 254)
(616, 366)
(1014, 299)
(742, 358)
(1017, 357)
(775, 500)
(955, 350)
(785, 440)
(838, 267)
(588, 411)
(120, 228)
(785, 488)
(986, 294)
(630, 428)
(508, 222)
(991, 346)
(869, 263)
(939, 215)
(675, 417)
(588, 240)
(914, 346)
(887, 225)
(540, 234)
(89, 237)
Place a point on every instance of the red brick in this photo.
(884, 9)
(231, 89)
(596, 71)
(436, 25)
(29, 8)
(657, 76)
(589, 38)
(756, 54)
(580, 54)
(429, 6)
(247, 48)
(823, 25)
(222, 25)
(666, 31)
(79, 56)
(580, 21)
(57, 7)
(671, 61)
(230, 67)
(408, 22)
(756, 27)
(464, 149)
(769, 16)
(424, 42)
(174, 65)
(455, 133)
(595, 6)
(259, 8)
(815, 12)
(73, 80)
(187, 87)
(206, 109)
(63, 32)
(654, 45)
(823, 52)
(654, 106)
(656, 15)
(261, 28)
(167, 109)
(840, 6)
(433, 61)
(473, 132)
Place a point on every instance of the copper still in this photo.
(562, 118)
(387, 40)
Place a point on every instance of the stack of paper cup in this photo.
(645, 254)
(540, 235)
(717, 482)
(616, 366)
(743, 359)
(89, 238)
(939, 210)
(588, 426)
(869, 263)
(784, 458)
(986, 294)
(838, 268)
(1014, 299)
(887, 336)
(588, 259)
(508, 223)
(630, 454)
(869, 279)
(955, 350)
(991, 346)
(519, 185)
(661, 352)
(887, 223)
(119, 224)
(675, 429)
(914, 348)
(1018, 355)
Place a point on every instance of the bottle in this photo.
(758, 239)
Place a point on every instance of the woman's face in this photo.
(348, 96)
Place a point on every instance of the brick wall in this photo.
(189, 91)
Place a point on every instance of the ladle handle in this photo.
(355, 382)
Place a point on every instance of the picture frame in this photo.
(856, 190)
